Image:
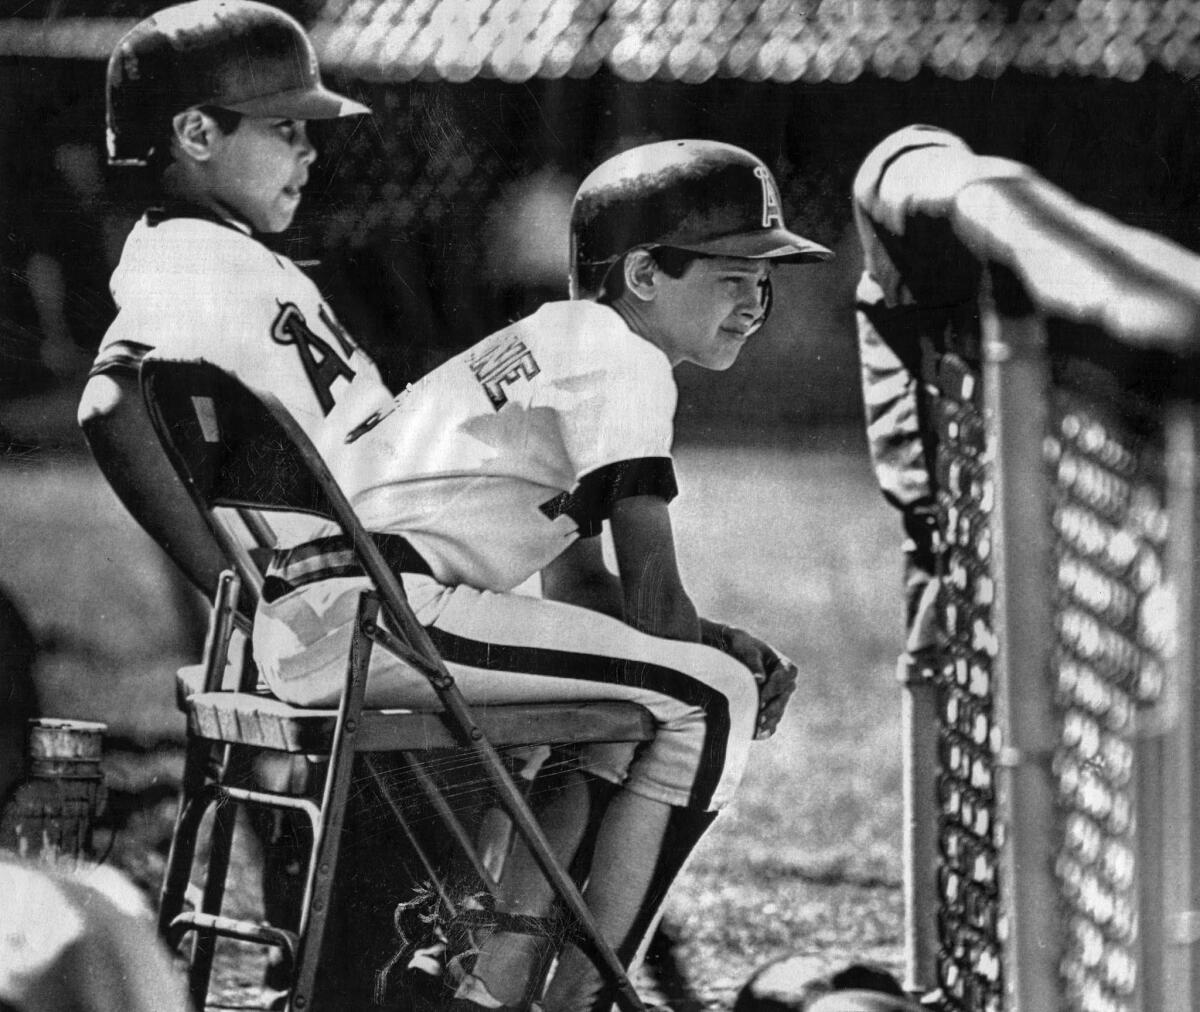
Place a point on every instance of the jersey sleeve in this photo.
(183, 329)
(591, 502)
(618, 424)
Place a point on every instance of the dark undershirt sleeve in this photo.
(591, 501)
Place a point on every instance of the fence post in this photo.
(919, 731)
(1180, 718)
(1016, 402)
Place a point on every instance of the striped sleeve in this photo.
(891, 397)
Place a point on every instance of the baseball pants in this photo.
(514, 648)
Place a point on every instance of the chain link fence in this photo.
(1057, 416)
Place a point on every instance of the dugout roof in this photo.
(691, 41)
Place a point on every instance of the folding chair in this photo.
(234, 448)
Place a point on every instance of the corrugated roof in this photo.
(695, 40)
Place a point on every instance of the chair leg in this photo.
(196, 795)
(204, 942)
(217, 872)
(181, 856)
(323, 865)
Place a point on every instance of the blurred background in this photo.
(444, 216)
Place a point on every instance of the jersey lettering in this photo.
(499, 364)
(772, 214)
(322, 365)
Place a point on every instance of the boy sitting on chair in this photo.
(209, 100)
(506, 462)
(501, 464)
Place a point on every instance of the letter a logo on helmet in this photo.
(697, 195)
(772, 216)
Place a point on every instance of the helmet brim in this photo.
(302, 103)
(762, 244)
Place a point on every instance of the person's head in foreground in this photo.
(800, 983)
(861, 1000)
(680, 238)
(213, 97)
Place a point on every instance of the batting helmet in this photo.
(239, 55)
(695, 195)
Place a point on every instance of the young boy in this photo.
(506, 462)
(209, 101)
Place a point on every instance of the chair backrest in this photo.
(235, 447)
(232, 447)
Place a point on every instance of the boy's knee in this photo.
(737, 684)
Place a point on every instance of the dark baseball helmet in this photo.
(701, 196)
(239, 55)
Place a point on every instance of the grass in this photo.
(787, 537)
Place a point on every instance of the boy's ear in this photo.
(194, 133)
(640, 274)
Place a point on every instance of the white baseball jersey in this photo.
(192, 287)
(497, 460)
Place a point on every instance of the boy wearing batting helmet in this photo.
(209, 100)
(505, 463)
(571, 411)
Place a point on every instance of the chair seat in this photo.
(263, 721)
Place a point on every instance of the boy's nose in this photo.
(752, 301)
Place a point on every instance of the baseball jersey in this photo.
(499, 459)
(192, 287)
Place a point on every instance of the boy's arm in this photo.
(653, 597)
(127, 450)
(580, 577)
(656, 602)
(649, 595)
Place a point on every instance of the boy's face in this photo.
(258, 170)
(707, 315)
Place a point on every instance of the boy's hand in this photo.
(774, 673)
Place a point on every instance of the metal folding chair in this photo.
(242, 450)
